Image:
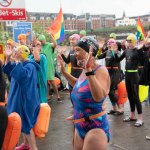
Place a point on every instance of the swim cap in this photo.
(85, 44)
(132, 38)
(21, 37)
(10, 41)
(112, 35)
(42, 37)
(25, 50)
(76, 36)
(83, 32)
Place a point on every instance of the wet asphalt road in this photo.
(124, 136)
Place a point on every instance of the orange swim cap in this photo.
(21, 37)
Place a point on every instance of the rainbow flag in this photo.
(57, 28)
(140, 34)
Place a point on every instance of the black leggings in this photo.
(115, 79)
(3, 124)
(132, 83)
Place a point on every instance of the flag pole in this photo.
(60, 3)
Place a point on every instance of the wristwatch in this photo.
(90, 73)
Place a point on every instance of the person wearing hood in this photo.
(23, 96)
(40, 58)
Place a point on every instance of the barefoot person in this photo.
(88, 95)
(23, 96)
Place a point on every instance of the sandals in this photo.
(111, 112)
(118, 113)
(128, 119)
(138, 123)
(59, 100)
(147, 137)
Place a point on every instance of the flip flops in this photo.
(128, 119)
(118, 113)
(111, 112)
(147, 137)
(138, 123)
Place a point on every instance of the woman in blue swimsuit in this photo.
(88, 95)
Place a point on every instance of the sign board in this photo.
(12, 10)
(2, 52)
(22, 28)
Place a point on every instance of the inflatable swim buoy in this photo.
(13, 132)
(56, 80)
(42, 124)
(143, 92)
(122, 93)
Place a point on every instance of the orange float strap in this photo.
(112, 67)
(89, 117)
(13, 132)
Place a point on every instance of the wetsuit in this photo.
(84, 106)
(114, 71)
(142, 59)
(3, 112)
(132, 77)
(145, 76)
(75, 69)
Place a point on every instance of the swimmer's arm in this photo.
(99, 83)
(72, 80)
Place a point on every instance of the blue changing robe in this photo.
(23, 96)
(42, 78)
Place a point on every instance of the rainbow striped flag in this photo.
(57, 28)
(140, 34)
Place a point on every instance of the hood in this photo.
(34, 63)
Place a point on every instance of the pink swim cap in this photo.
(76, 36)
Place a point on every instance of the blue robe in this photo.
(23, 96)
(42, 78)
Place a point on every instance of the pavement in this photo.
(124, 136)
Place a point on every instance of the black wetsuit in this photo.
(133, 57)
(75, 69)
(114, 71)
(3, 112)
(145, 76)
(142, 60)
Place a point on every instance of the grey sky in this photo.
(131, 7)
